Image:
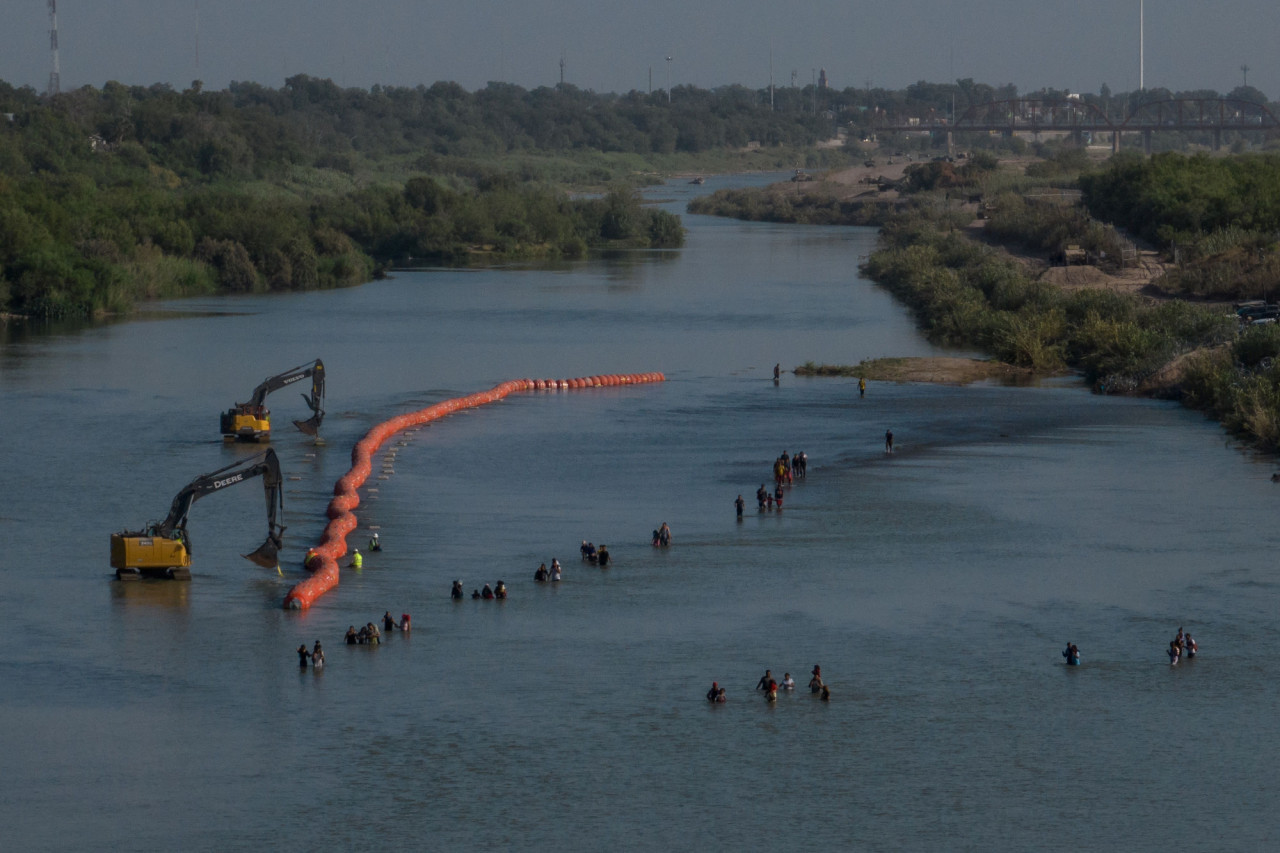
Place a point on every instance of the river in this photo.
(936, 587)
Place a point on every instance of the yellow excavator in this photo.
(251, 421)
(163, 549)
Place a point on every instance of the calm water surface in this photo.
(935, 587)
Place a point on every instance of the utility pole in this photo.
(55, 76)
(771, 74)
(1142, 46)
(561, 69)
(668, 79)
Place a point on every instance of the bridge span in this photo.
(1031, 115)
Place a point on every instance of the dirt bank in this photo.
(946, 371)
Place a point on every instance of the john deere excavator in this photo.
(251, 421)
(163, 549)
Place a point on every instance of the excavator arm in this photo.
(252, 421)
(165, 546)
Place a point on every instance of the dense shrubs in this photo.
(778, 205)
(1171, 197)
(968, 295)
(111, 196)
(964, 294)
(1048, 227)
(1217, 216)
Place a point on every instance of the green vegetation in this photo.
(1240, 385)
(810, 368)
(1171, 198)
(824, 203)
(772, 204)
(122, 194)
(1219, 216)
(966, 294)
(1049, 226)
(951, 370)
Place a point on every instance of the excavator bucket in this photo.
(267, 555)
(311, 426)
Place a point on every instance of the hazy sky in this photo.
(611, 46)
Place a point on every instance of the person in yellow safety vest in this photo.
(357, 561)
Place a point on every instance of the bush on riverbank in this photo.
(1218, 216)
(965, 294)
(771, 204)
(1240, 385)
(1049, 227)
(112, 196)
(970, 295)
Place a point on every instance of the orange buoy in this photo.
(322, 560)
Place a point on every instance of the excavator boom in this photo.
(251, 421)
(164, 549)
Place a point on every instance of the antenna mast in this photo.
(1142, 47)
(771, 74)
(55, 76)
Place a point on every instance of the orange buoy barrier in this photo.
(322, 560)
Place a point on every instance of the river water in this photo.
(935, 587)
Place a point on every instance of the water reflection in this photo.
(617, 264)
(174, 595)
(17, 331)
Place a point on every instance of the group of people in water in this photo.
(662, 536)
(489, 593)
(590, 553)
(770, 686)
(545, 575)
(765, 498)
(357, 559)
(786, 470)
(315, 656)
(1183, 645)
(366, 635)
(370, 635)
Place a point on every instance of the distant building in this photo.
(822, 78)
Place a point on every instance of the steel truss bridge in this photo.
(1032, 116)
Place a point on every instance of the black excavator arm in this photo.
(264, 465)
(315, 400)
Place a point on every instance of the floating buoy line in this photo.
(322, 560)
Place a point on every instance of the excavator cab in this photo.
(145, 554)
(247, 423)
(163, 549)
(251, 421)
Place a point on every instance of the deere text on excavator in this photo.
(163, 549)
(251, 421)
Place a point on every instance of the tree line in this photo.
(122, 194)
